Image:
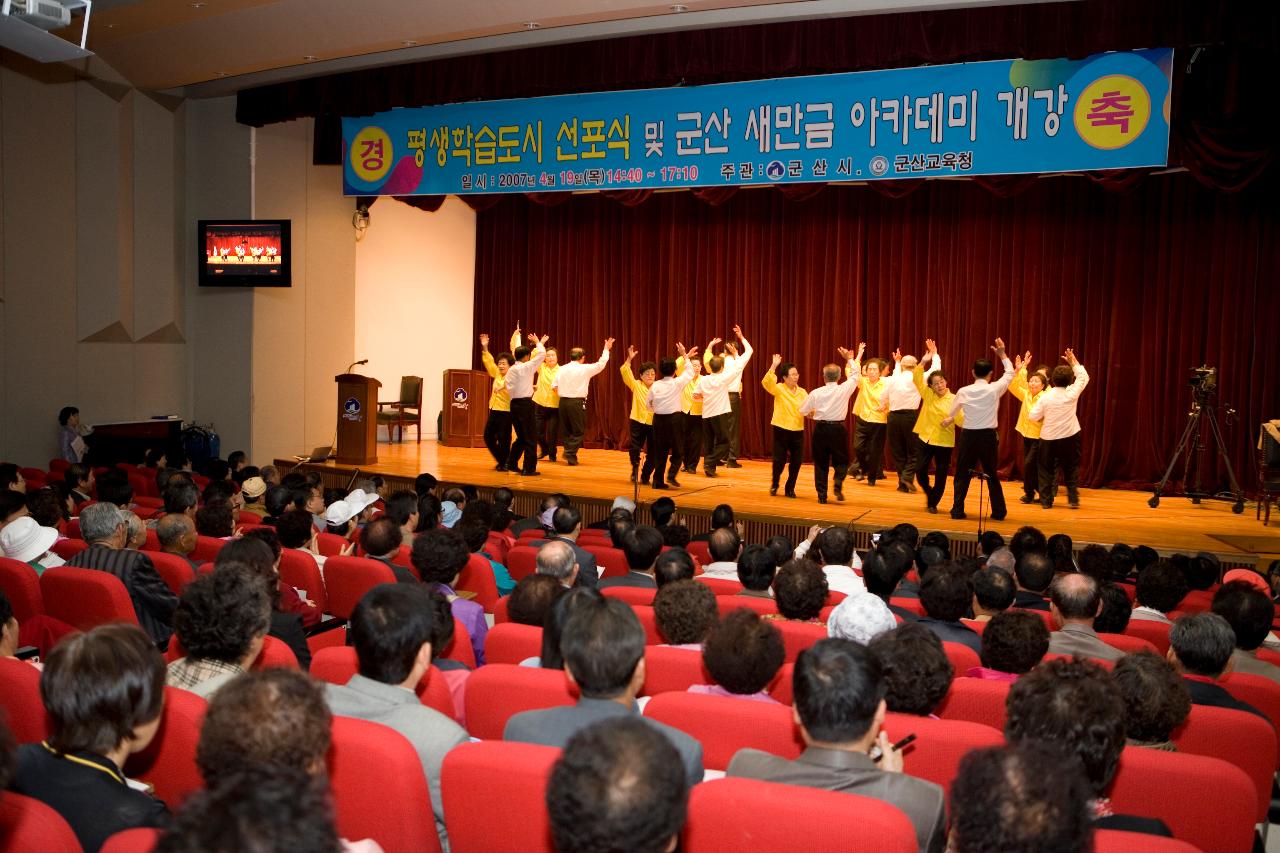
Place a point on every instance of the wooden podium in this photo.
(464, 407)
(357, 419)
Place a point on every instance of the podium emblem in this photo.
(351, 409)
(459, 398)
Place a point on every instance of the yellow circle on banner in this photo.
(1112, 111)
(371, 154)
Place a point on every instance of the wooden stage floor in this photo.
(1106, 516)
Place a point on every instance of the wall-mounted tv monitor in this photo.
(244, 253)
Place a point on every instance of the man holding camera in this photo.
(1060, 433)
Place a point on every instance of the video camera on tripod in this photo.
(1203, 381)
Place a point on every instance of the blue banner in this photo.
(1108, 111)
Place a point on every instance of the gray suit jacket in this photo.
(431, 733)
(1248, 663)
(854, 773)
(1081, 640)
(636, 579)
(554, 727)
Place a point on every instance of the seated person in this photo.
(1161, 588)
(557, 560)
(221, 623)
(553, 627)
(1013, 643)
(24, 540)
(1033, 572)
(1076, 603)
(13, 505)
(742, 653)
(1200, 649)
(1249, 612)
(641, 544)
(1074, 708)
(440, 555)
(603, 647)
(106, 530)
(296, 530)
(1003, 800)
(402, 508)
(177, 535)
(252, 490)
(455, 672)
(381, 540)
(566, 527)
(757, 566)
(946, 594)
(391, 630)
(618, 785)
(993, 592)
(832, 549)
(860, 617)
(725, 546)
(677, 536)
(532, 598)
(290, 600)
(476, 534)
(674, 565)
(104, 692)
(215, 521)
(1156, 701)
(1116, 610)
(783, 549)
(840, 706)
(685, 611)
(800, 591)
(254, 556)
(916, 672)
(137, 536)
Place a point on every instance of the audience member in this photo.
(989, 541)
(290, 600)
(833, 548)
(440, 555)
(114, 488)
(641, 545)
(1161, 588)
(177, 536)
(1033, 573)
(946, 594)
(721, 518)
(861, 618)
(381, 540)
(917, 674)
(553, 627)
(1003, 559)
(1249, 612)
(429, 513)
(298, 532)
(673, 565)
(255, 556)
(1077, 601)
(676, 536)
(757, 567)
(80, 482)
(1095, 561)
(181, 496)
(800, 590)
(136, 535)
(1200, 648)
(725, 546)
(557, 560)
(252, 490)
(993, 592)
(532, 598)
(742, 653)
(684, 612)
(47, 507)
(221, 622)
(566, 524)
(1026, 540)
(1013, 643)
(1156, 701)
(24, 540)
(1116, 607)
(1061, 551)
(402, 508)
(475, 533)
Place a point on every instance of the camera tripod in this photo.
(1191, 445)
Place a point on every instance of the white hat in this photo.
(861, 617)
(24, 539)
(623, 502)
(361, 500)
(340, 512)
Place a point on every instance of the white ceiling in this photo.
(219, 46)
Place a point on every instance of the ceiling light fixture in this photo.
(678, 8)
(531, 25)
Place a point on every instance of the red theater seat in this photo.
(729, 603)
(1114, 841)
(700, 551)
(132, 841)
(330, 544)
(1129, 644)
(962, 657)
(68, 548)
(510, 642)
(299, 570)
(633, 595)
(650, 624)
(725, 725)
(30, 825)
(977, 700)
(21, 585)
(85, 598)
(477, 577)
(1234, 736)
(169, 762)
(798, 636)
(1258, 691)
(939, 745)
(513, 774)
(613, 560)
(668, 669)
(173, 570)
(207, 548)
(347, 579)
(496, 692)
(721, 586)
(1156, 633)
(500, 611)
(20, 699)
(336, 665)
(522, 562)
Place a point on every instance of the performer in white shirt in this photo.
(731, 358)
(1060, 431)
(520, 381)
(571, 383)
(665, 399)
(717, 411)
(829, 406)
(900, 401)
(978, 443)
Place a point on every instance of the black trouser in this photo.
(641, 436)
(1061, 453)
(868, 446)
(941, 458)
(546, 420)
(788, 446)
(497, 435)
(526, 443)
(666, 440)
(735, 425)
(715, 439)
(976, 447)
(1030, 466)
(691, 439)
(830, 450)
(573, 420)
(904, 445)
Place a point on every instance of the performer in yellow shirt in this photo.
(546, 406)
(1028, 389)
(497, 428)
(787, 423)
(641, 415)
(936, 441)
(691, 423)
(868, 437)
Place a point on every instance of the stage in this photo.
(1106, 516)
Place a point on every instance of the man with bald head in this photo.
(901, 401)
(558, 560)
(725, 546)
(829, 408)
(177, 534)
(1075, 601)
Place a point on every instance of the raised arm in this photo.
(1018, 387)
(628, 377)
(741, 363)
(1082, 375)
(490, 366)
(770, 379)
(1002, 384)
(515, 338)
(709, 352)
(593, 369)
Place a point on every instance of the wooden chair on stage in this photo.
(1268, 474)
(406, 410)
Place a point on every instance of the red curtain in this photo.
(1143, 283)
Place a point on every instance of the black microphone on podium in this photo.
(356, 364)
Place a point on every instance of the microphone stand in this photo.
(982, 479)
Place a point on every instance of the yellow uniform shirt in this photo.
(543, 393)
(1020, 389)
(867, 406)
(499, 399)
(691, 403)
(786, 403)
(640, 411)
(929, 422)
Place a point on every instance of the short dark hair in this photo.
(1203, 643)
(439, 555)
(215, 520)
(835, 545)
(989, 541)
(724, 544)
(1161, 586)
(253, 554)
(295, 528)
(602, 643)
(641, 545)
(885, 567)
(1014, 641)
(1116, 610)
(558, 617)
(917, 674)
(46, 506)
(676, 535)
(521, 352)
(1156, 699)
(947, 593)
(1075, 708)
(619, 785)
(276, 500)
(721, 516)
(532, 598)
(429, 511)
(99, 686)
(1076, 596)
(1027, 539)
(756, 567)
(743, 652)
(1122, 561)
(982, 368)
(1201, 572)
(673, 565)
(684, 610)
(662, 509)
(1061, 376)
(838, 686)
(273, 718)
(474, 531)
(65, 414)
(667, 367)
(993, 587)
(800, 590)
(1143, 556)
(1003, 800)
(180, 496)
(114, 488)
(782, 548)
(11, 502)
(264, 534)
(381, 536)
(1034, 570)
(1095, 561)
(1060, 549)
(399, 506)
(76, 473)
(1248, 611)
(388, 628)
(220, 614)
(565, 519)
(424, 484)
(620, 521)
(443, 626)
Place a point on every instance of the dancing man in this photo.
(571, 384)
(641, 421)
(520, 378)
(787, 423)
(979, 443)
(901, 403)
(829, 407)
(665, 401)
(717, 411)
(734, 424)
(935, 440)
(1028, 389)
(1060, 431)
